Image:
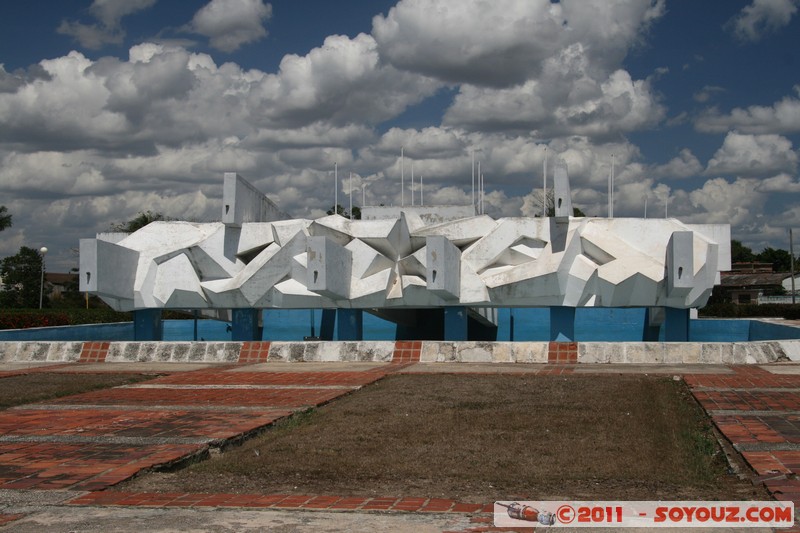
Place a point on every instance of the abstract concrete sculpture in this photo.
(251, 260)
(333, 262)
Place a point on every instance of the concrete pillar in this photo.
(245, 325)
(562, 324)
(456, 324)
(147, 325)
(350, 324)
(327, 325)
(676, 324)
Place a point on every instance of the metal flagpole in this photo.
(473, 176)
(544, 186)
(791, 253)
(412, 182)
(402, 178)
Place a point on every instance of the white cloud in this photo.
(565, 100)
(762, 17)
(686, 165)
(343, 81)
(724, 202)
(753, 155)
(782, 183)
(781, 117)
(230, 24)
(109, 13)
(505, 42)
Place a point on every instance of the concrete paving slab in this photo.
(15, 366)
(477, 368)
(144, 367)
(331, 366)
(136, 520)
(630, 368)
(782, 368)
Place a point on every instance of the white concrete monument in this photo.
(253, 259)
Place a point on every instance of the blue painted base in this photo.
(327, 324)
(455, 324)
(350, 324)
(147, 325)
(649, 333)
(245, 325)
(676, 325)
(562, 324)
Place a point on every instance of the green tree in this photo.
(780, 259)
(22, 277)
(342, 211)
(5, 218)
(741, 253)
(141, 220)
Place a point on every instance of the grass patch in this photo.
(480, 438)
(40, 386)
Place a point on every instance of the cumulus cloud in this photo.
(109, 14)
(11, 81)
(782, 183)
(169, 96)
(753, 155)
(726, 202)
(762, 17)
(343, 80)
(564, 100)
(230, 24)
(781, 117)
(437, 38)
(685, 165)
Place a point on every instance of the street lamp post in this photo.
(43, 251)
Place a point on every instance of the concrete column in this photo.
(562, 324)
(245, 325)
(676, 324)
(327, 325)
(350, 324)
(147, 325)
(456, 324)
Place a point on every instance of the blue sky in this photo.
(112, 107)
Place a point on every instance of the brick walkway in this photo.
(759, 413)
(93, 440)
(88, 442)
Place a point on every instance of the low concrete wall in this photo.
(387, 351)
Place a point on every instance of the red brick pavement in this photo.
(769, 416)
(94, 352)
(303, 379)
(254, 352)
(295, 397)
(407, 351)
(135, 423)
(757, 411)
(562, 353)
(84, 466)
(7, 518)
(93, 440)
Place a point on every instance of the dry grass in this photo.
(480, 438)
(37, 387)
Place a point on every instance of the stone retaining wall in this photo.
(403, 351)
